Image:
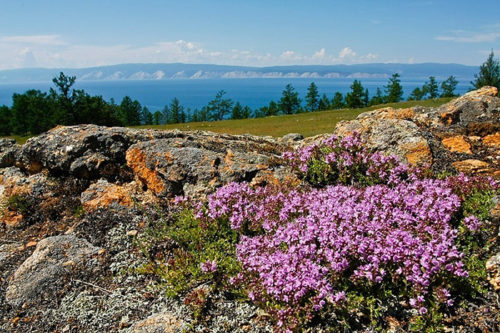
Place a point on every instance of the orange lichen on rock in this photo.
(457, 144)
(472, 166)
(391, 113)
(106, 195)
(11, 218)
(418, 153)
(136, 160)
(492, 140)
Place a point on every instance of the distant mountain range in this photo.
(200, 71)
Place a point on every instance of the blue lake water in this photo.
(197, 93)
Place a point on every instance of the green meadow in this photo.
(307, 124)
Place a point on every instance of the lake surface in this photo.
(197, 93)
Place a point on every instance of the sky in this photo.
(87, 33)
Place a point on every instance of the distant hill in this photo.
(202, 71)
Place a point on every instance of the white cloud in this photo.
(52, 51)
(346, 52)
(487, 34)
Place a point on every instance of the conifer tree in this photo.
(394, 89)
(312, 98)
(489, 73)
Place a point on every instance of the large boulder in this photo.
(193, 165)
(43, 273)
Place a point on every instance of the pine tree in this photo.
(448, 87)
(289, 102)
(312, 98)
(431, 87)
(324, 103)
(338, 101)
(378, 98)
(489, 73)
(175, 112)
(219, 107)
(394, 89)
(237, 112)
(356, 97)
(5, 119)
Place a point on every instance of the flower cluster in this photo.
(298, 247)
(374, 233)
(347, 161)
(208, 266)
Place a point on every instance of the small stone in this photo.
(493, 269)
(69, 263)
(132, 233)
(101, 252)
(31, 244)
(293, 137)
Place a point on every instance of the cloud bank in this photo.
(53, 51)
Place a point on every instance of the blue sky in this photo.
(55, 33)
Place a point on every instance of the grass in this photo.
(19, 139)
(307, 124)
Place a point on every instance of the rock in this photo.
(42, 274)
(492, 140)
(390, 136)
(183, 166)
(480, 105)
(164, 322)
(472, 166)
(6, 251)
(8, 152)
(103, 194)
(493, 269)
(292, 137)
(457, 144)
(85, 151)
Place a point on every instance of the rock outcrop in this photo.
(74, 201)
(461, 135)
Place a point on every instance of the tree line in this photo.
(34, 112)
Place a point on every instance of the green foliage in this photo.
(431, 87)
(219, 107)
(5, 119)
(193, 242)
(18, 203)
(356, 98)
(289, 102)
(237, 112)
(418, 94)
(338, 101)
(394, 89)
(324, 103)
(312, 98)
(448, 87)
(489, 73)
(378, 98)
(147, 117)
(130, 112)
(32, 112)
